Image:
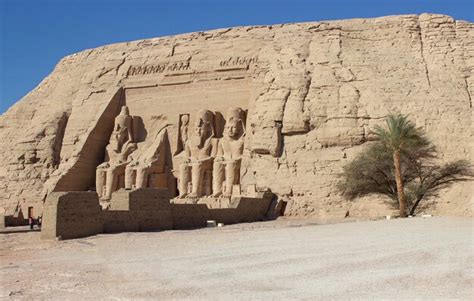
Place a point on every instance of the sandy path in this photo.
(419, 258)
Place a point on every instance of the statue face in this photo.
(118, 138)
(124, 111)
(232, 128)
(184, 120)
(202, 128)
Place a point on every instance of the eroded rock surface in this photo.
(311, 92)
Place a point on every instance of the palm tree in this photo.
(400, 136)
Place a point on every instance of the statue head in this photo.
(184, 119)
(235, 127)
(120, 134)
(124, 111)
(204, 126)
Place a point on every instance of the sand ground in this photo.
(417, 258)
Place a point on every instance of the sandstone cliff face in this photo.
(312, 90)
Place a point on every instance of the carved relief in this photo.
(238, 61)
(110, 174)
(158, 68)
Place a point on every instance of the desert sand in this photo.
(416, 258)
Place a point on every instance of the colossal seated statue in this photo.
(199, 148)
(151, 168)
(121, 144)
(226, 169)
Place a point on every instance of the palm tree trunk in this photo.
(402, 203)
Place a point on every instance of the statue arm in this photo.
(241, 148)
(129, 148)
(206, 159)
(240, 152)
(107, 155)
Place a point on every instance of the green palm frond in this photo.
(400, 134)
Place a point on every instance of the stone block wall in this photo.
(239, 210)
(189, 216)
(13, 221)
(71, 215)
(16, 218)
(138, 210)
(78, 214)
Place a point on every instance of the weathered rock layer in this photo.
(312, 91)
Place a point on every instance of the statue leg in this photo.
(232, 170)
(142, 176)
(129, 176)
(217, 178)
(111, 181)
(197, 174)
(99, 181)
(183, 180)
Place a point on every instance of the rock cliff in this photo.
(312, 91)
